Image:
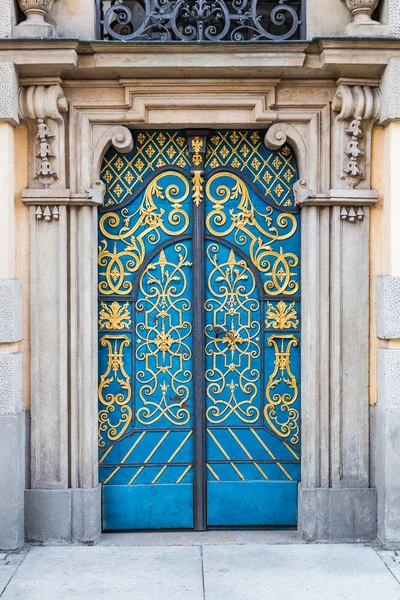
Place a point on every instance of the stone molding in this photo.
(10, 384)
(43, 108)
(358, 108)
(345, 198)
(51, 198)
(388, 307)
(390, 92)
(10, 311)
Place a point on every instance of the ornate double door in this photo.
(199, 333)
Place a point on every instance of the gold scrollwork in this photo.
(116, 345)
(281, 316)
(164, 340)
(233, 342)
(280, 403)
(245, 224)
(197, 182)
(114, 316)
(140, 227)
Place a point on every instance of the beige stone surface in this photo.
(326, 18)
(22, 251)
(74, 18)
(7, 222)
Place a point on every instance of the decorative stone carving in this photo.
(352, 213)
(358, 107)
(363, 24)
(47, 213)
(301, 192)
(35, 25)
(43, 108)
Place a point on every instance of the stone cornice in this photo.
(324, 58)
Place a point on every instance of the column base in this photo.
(34, 29)
(337, 515)
(63, 516)
(367, 29)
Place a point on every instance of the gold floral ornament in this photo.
(115, 316)
(111, 402)
(281, 316)
(282, 390)
(232, 339)
(163, 345)
(197, 193)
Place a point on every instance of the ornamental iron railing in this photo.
(201, 20)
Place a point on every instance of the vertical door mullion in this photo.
(199, 368)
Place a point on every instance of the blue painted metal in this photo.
(147, 424)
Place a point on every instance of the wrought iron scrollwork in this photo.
(200, 20)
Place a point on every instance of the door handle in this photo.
(218, 329)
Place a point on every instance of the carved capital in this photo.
(104, 136)
(358, 108)
(43, 108)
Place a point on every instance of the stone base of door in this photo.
(12, 483)
(63, 516)
(337, 515)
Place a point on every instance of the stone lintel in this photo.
(10, 311)
(338, 514)
(69, 515)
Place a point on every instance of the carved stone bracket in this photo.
(358, 107)
(43, 108)
(350, 201)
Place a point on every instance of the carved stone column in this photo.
(363, 24)
(59, 505)
(12, 416)
(336, 501)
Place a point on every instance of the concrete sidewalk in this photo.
(242, 570)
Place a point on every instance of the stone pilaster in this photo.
(12, 424)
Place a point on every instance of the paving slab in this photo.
(98, 573)
(301, 572)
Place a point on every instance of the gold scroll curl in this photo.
(246, 223)
(280, 403)
(139, 228)
(116, 345)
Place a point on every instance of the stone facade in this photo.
(76, 99)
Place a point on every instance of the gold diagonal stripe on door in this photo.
(106, 453)
(291, 451)
(213, 473)
(179, 448)
(247, 453)
(125, 457)
(270, 453)
(225, 454)
(185, 472)
(156, 447)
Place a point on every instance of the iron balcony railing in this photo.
(201, 20)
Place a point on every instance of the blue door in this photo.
(199, 337)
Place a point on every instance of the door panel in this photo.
(248, 230)
(145, 327)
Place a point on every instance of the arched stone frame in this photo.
(335, 446)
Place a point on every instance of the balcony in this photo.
(205, 21)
